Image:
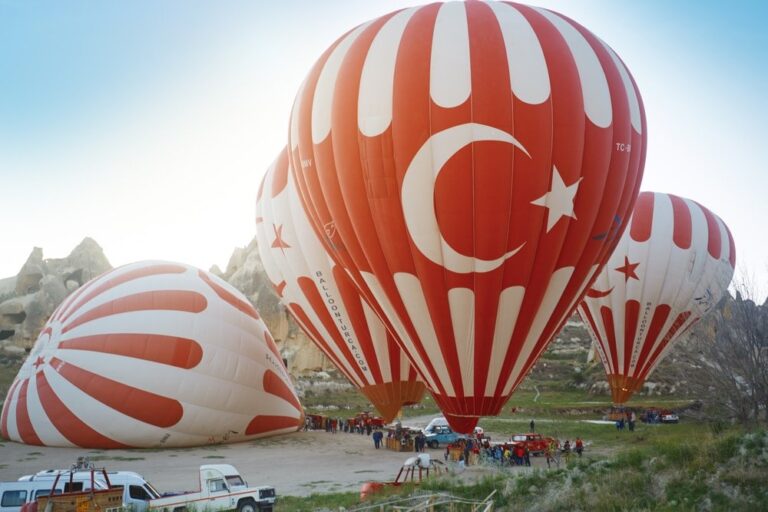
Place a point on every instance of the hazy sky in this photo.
(148, 125)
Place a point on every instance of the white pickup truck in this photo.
(221, 488)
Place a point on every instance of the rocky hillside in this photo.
(29, 298)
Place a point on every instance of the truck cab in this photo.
(221, 488)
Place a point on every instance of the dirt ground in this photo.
(296, 464)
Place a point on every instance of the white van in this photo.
(436, 422)
(136, 490)
(15, 494)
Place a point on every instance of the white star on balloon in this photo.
(559, 199)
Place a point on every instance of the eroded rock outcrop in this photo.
(40, 286)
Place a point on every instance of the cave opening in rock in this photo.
(15, 318)
(5, 334)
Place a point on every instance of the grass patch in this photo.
(330, 501)
(214, 457)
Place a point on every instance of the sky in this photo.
(148, 125)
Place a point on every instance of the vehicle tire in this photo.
(247, 506)
(433, 444)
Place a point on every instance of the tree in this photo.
(725, 362)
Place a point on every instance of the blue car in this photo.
(441, 435)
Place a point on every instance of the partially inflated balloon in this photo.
(321, 297)
(151, 354)
(472, 166)
(670, 268)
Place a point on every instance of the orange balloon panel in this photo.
(472, 165)
(322, 298)
(671, 267)
(151, 354)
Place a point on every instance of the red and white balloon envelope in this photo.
(671, 267)
(152, 354)
(322, 298)
(472, 166)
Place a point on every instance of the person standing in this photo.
(579, 446)
(549, 454)
(533, 426)
(567, 451)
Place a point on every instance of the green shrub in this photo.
(633, 458)
(726, 448)
(677, 453)
(688, 492)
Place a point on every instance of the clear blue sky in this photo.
(148, 124)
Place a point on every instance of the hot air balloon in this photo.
(323, 300)
(151, 354)
(472, 166)
(671, 267)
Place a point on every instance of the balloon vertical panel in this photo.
(472, 165)
(151, 354)
(671, 267)
(322, 298)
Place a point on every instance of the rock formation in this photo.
(40, 286)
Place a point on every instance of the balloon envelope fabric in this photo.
(472, 164)
(151, 354)
(671, 267)
(322, 298)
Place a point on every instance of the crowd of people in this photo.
(518, 454)
(333, 425)
(466, 451)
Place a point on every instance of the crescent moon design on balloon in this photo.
(419, 186)
(597, 294)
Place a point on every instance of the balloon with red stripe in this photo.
(322, 298)
(151, 354)
(472, 165)
(671, 267)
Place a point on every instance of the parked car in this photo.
(656, 415)
(437, 435)
(669, 417)
(536, 443)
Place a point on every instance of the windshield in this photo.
(151, 490)
(235, 481)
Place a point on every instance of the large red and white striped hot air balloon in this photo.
(151, 354)
(324, 301)
(473, 164)
(671, 267)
